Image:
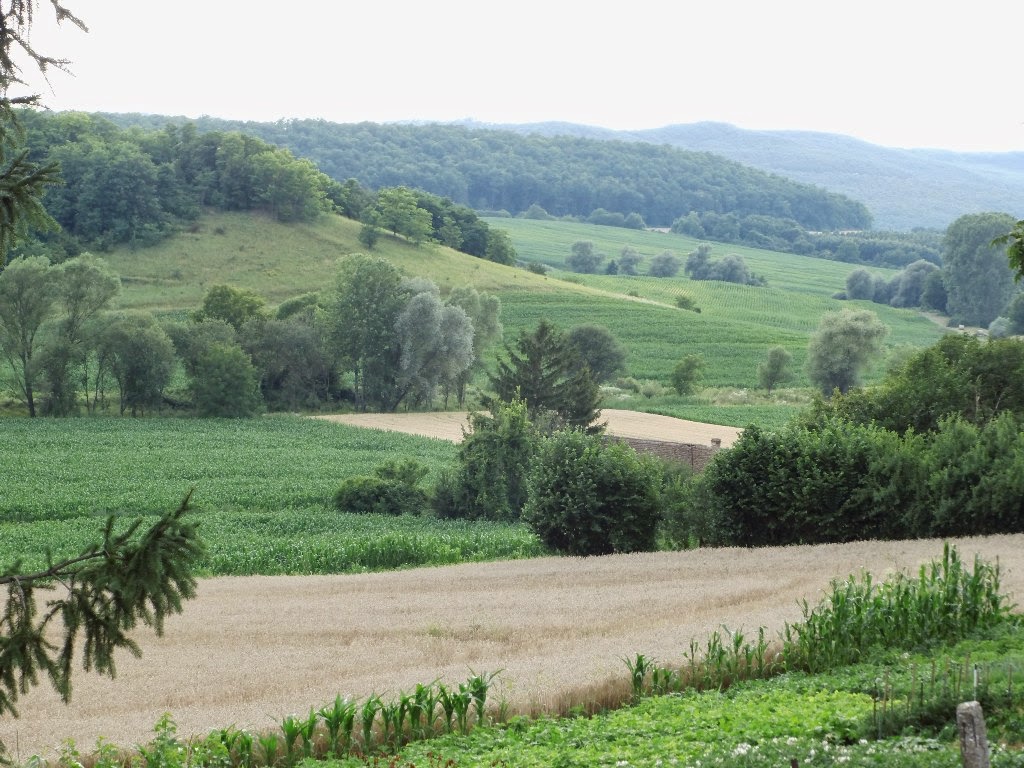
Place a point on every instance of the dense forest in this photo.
(492, 170)
(136, 186)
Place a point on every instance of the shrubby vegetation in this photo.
(729, 269)
(935, 450)
(586, 496)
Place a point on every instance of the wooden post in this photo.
(970, 723)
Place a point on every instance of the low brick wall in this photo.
(696, 456)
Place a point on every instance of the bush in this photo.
(392, 490)
(834, 483)
(588, 497)
(683, 301)
(494, 459)
(225, 383)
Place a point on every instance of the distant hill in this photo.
(902, 188)
(510, 170)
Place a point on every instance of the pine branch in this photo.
(109, 588)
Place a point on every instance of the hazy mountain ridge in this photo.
(903, 188)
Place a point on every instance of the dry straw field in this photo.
(448, 425)
(248, 651)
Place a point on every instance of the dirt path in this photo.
(248, 651)
(449, 425)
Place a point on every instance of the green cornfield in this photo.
(262, 489)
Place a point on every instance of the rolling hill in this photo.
(902, 188)
(733, 331)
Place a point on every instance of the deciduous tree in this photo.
(686, 374)
(665, 264)
(584, 258)
(28, 292)
(775, 369)
(599, 350)
(843, 344)
(367, 300)
(978, 279)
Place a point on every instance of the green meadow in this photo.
(734, 329)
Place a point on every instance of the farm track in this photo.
(448, 425)
(248, 651)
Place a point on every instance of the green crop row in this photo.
(68, 468)
(263, 490)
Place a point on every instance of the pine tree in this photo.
(130, 576)
(544, 370)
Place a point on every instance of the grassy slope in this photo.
(734, 329)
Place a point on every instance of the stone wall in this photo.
(694, 455)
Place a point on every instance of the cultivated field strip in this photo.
(449, 425)
(249, 650)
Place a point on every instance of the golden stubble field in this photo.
(248, 651)
(449, 425)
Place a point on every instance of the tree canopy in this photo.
(979, 279)
(543, 369)
(843, 344)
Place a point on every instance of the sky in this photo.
(899, 73)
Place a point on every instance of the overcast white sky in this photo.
(901, 73)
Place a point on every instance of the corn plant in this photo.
(339, 719)
(423, 710)
(478, 686)
(307, 730)
(446, 697)
(639, 668)
(368, 714)
(461, 701)
(291, 727)
(944, 603)
(268, 744)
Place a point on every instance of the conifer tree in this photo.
(132, 575)
(543, 368)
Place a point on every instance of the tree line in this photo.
(375, 339)
(495, 170)
(788, 235)
(135, 187)
(974, 284)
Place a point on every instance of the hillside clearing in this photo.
(248, 651)
(448, 425)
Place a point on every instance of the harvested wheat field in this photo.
(448, 425)
(248, 651)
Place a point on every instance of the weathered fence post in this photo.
(970, 723)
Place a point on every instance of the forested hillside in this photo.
(502, 170)
(902, 188)
(137, 186)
